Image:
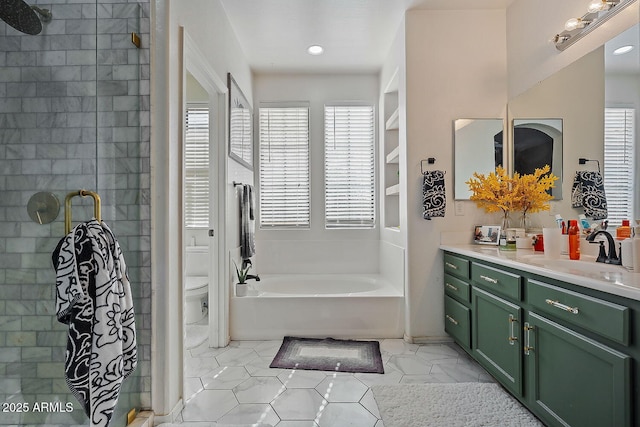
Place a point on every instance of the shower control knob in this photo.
(43, 207)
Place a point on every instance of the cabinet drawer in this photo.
(601, 317)
(457, 321)
(497, 281)
(457, 288)
(456, 266)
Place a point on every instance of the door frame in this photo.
(196, 64)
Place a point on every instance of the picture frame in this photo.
(240, 125)
(486, 234)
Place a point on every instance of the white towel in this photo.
(93, 296)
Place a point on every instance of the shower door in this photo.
(74, 114)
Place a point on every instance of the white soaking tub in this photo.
(318, 305)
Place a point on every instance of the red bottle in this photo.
(574, 239)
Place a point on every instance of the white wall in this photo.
(316, 249)
(451, 73)
(206, 23)
(531, 25)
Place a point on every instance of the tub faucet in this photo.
(253, 276)
(611, 258)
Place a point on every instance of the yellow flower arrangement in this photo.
(493, 192)
(499, 192)
(532, 190)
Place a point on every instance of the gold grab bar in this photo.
(67, 207)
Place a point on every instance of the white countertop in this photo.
(614, 280)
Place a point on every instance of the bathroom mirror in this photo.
(536, 143)
(477, 148)
(578, 94)
(240, 125)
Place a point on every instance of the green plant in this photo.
(243, 272)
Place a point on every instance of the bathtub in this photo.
(318, 305)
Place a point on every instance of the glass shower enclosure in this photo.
(74, 115)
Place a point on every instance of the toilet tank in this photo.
(197, 261)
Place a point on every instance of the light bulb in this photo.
(596, 6)
(574, 24)
(599, 5)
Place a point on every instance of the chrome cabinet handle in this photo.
(527, 338)
(488, 279)
(561, 306)
(512, 338)
(451, 319)
(448, 264)
(450, 286)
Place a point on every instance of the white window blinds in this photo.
(284, 166)
(349, 173)
(619, 163)
(196, 166)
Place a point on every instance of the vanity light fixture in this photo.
(598, 12)
(315, 50)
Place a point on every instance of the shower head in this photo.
(23, 17)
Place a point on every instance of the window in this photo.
(349, 178)
(284, 166)
(196, 166)
(619, 163)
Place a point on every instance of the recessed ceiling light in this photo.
(623, 49)
(315, 50)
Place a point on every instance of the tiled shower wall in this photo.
(74, 114)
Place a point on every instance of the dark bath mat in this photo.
(329, 355)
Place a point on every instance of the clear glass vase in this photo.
(505, 223)
(525, 222)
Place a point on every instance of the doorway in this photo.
(203, 183)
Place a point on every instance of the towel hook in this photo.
(67, 207)
(583, 161)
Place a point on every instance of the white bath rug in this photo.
(450, 405)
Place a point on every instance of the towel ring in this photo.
(430, 160)
(583, 161)
(67, 207)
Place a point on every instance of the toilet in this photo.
(196, 282)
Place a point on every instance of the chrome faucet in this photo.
(612, 257)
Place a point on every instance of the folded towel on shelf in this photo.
(588, 192)
(434, 198)
(247, 223)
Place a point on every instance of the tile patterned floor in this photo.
(234, 385)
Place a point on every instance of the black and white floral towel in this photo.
(434, 199)
(588, 192)
(93, 296)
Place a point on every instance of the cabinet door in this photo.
(573, 380)
(496, 338)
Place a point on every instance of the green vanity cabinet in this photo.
(496, 338)
(568, 353)
(573, 380)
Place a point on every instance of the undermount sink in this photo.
(585, 264)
